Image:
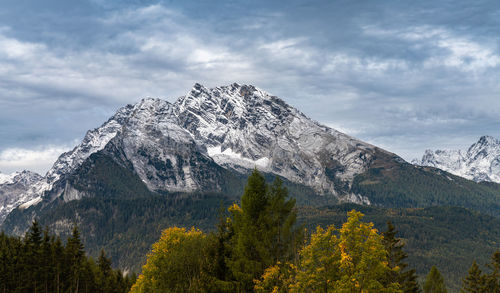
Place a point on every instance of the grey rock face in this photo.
(243, 127)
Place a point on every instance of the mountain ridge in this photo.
(208, 139)
(238, 127)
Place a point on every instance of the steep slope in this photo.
(481, 162)
(243, 127)
(144, 138)
(15, 189)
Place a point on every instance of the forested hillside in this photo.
(260, 238)
(406, 186)
(449, 237)
(257, 248)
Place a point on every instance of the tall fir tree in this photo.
(105, 280)
(434, 283)
(475, 281)
(249, 255)
(399, 273)
(281, 219)
(58, 255)
(262, 230)
(47, 261)
(493, 279)
(33, 268)
(74, 256)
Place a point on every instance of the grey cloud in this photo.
(407, 76)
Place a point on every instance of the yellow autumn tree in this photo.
(363, 259)
(350, 259)
(175, 263)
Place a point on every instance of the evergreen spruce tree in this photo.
(32, 258)
(74, 256)
(434, 283)
(281, 218)
(47, 261)
(475, 281)
(249, 254)
(395, 258)
(58, 255)
(6, 265)
(219, 250)
(493, 279)
(262, 230)
(105, 276)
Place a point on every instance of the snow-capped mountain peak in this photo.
(244, 127)
(25, 177)
(186, 145)
(7, 178)
(480, 162)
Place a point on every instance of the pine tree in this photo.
(74, 255)
(105, 275)
(262, 230)
(219, 251)
(475, 281)
(395, 258)
(434, 283)
(32, 269)
(59, 257)
(493, 279)
(249, 256)
(47, 261)
(281, 219)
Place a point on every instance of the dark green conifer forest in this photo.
(40, 262)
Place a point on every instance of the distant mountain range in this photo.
(480, 162)
(16, 189)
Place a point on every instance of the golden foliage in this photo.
(350, 259)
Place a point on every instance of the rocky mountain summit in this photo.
(188, 145)
(480, 162)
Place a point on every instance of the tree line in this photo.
(40, 262)
(256, 247)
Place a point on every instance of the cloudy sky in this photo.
(403, 75)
